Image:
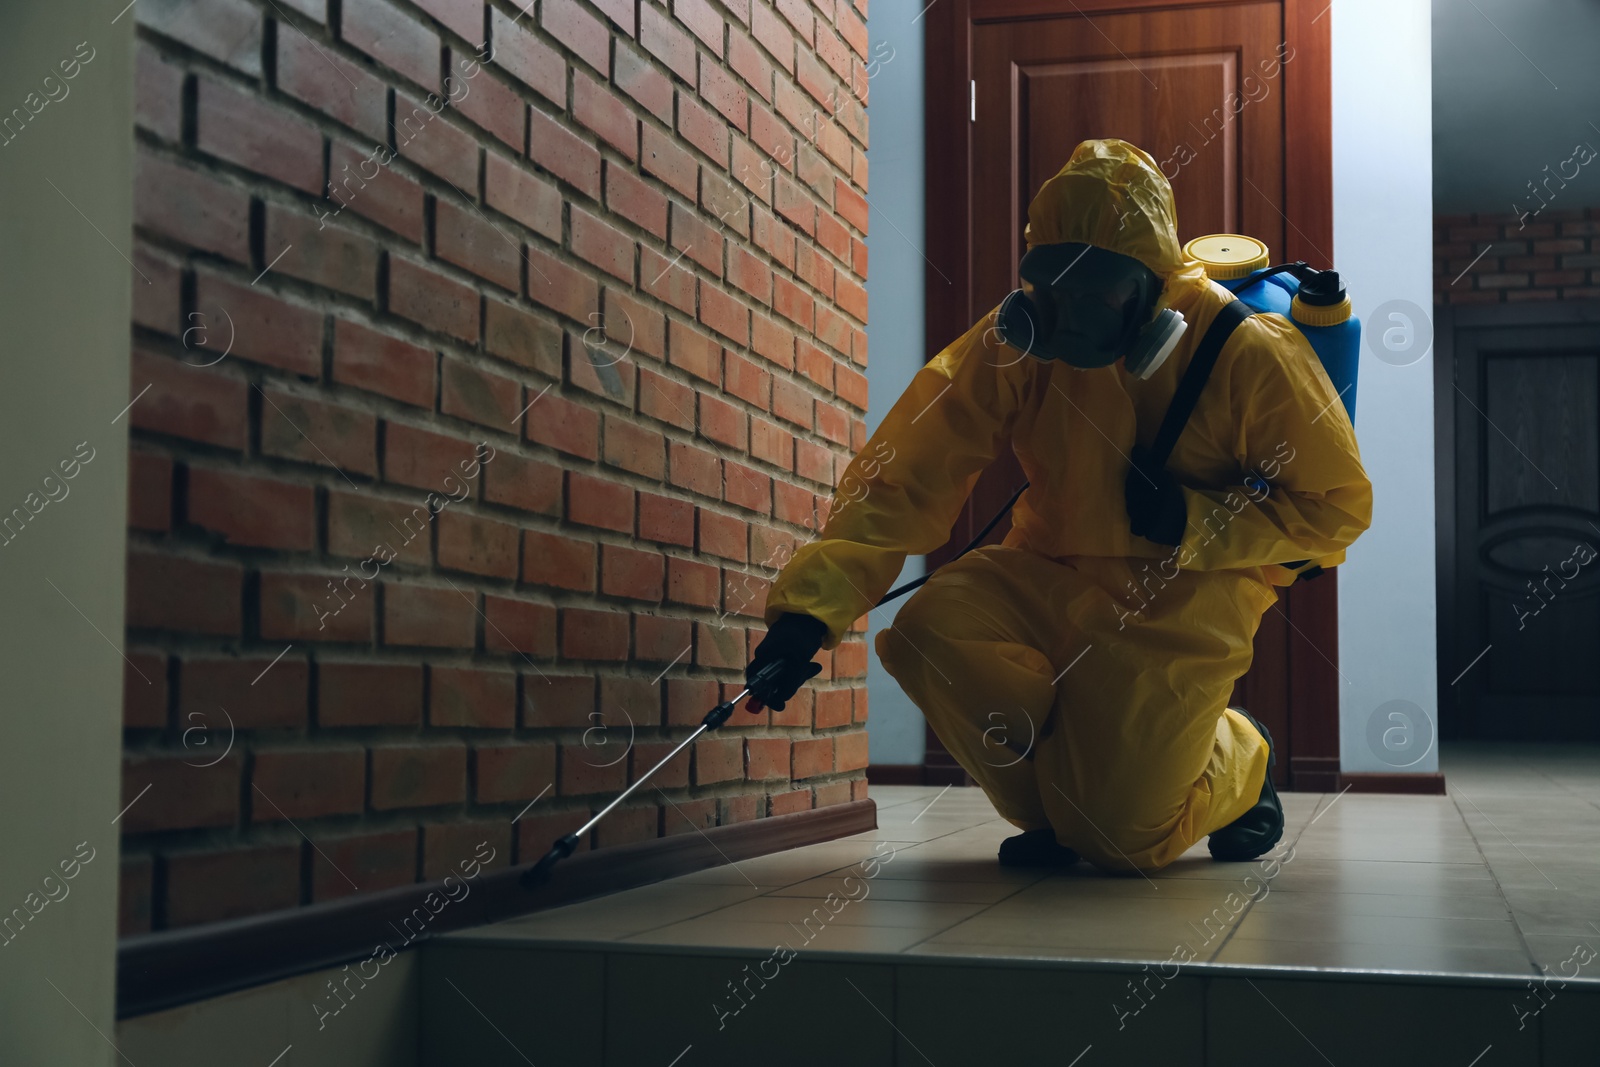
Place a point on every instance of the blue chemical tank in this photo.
(1314, 300)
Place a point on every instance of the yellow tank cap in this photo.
(1227, 256)
(1319, 314)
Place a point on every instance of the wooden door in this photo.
(1524, 567)
(1232, 101)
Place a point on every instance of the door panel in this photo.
(1209, 90)
(1527, 533)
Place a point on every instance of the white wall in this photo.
(1383, 246)
(895, 338)
(64, 303)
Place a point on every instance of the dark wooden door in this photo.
(1232, 102)
(1526, 552)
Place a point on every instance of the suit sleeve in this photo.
(1294, 435)
(902, 494)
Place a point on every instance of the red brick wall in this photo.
(1494, 259)
(465, 443)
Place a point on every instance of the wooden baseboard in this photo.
(1421, 783)
(172, 967)
(896, 774)
(1314, 774)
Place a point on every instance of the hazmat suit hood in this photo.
(1114, 196)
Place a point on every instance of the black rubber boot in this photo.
(1260, 828)
(1035, 848)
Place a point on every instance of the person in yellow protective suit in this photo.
(1080, 672)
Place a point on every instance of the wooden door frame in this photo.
(1312, 607)
(1448, 320)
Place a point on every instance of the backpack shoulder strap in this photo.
(1195, 377)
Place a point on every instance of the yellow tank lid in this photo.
(1227, 256)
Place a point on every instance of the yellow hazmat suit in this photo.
(1079, 673)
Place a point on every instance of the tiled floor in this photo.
(1497, 878)
(1385, 930)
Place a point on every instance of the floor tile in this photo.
(1426, 959)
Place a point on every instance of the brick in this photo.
(628, 825)
(156, 292)
(688, 700)
(661, 640)
(581, 32)
(726, 202)
(423, 459)
(833, 52)
(363, 863)
(652, 89)
(144, 690)
(832, 793)
(666, 520)
(158, 94)
(631, 574)
(369, 360)
(378, 531)
(718, 760)
(552, 560)
(593, 635)
(334, 258)
(464, 849)
(536, 832)
(674, 774)
(694, 469)
(213, 886)
(362, 183)
(477, 545)
(557, 700)
(766, 757)
(298, 428)
(465, 237)
(368, 694)
(724, 536)
(255, 325)
(434, 143)
(719, 89)
(851, 386)
(518, 337)
(316, 607)
(191, 208)
(748, 62)
(558, 423)
(418, 776)
(487, 101)
(241, 129)
(477, 395)
(432, 300)
(135, 886)
(634, 448)
(247, 510)
(814, 363)
(520, 626)
(564, 154)
(288, 784)
(635, 201)
(667, 42)
(149, 491)
(435, 618)
(692, 351)
(599, 503)
(588, 769)
(723, 423)
(606, 114)
(739, 809)
(259, 693)
(513, 191)
(791, 403)
(505, 773)
(749, 273)
(666, 400)
(772, 340)
(724, 314)
(851, 749)
(182, 794)
(792, 203)
(719, 646)
(832, 236)
(463, 17)
(693, 584)
(601, 244)
(793, 303)
(771, 443)
(392, 37)
(773, 237)
(343, 91)
(833, 708)
(833, 424)
(230, 32)
(812, 756)
(702, 20)
(529, 485)
(637, 326)
(747, 488)
(667, 280)
(661, 156)
(600, 366)
(561, 287)
(702, 128)
(190, 596)
(528, 59)
(771, 33)
(464, 696)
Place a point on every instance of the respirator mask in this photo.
(1087, 307)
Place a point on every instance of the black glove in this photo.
(1156, 508)
(793, 640)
